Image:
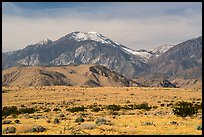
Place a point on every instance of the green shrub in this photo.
(114, 107)
(143, 106)
(76, 109)
(198, 106)
(79, 119)
(57, 109)
(27, 110)
(47, 110)
(155, 107)
(6, 122)
(128, 107)
(9, 110)
(184, 109)
(96, 109)
(162, 105)
(12, 110)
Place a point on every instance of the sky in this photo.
(137, 25)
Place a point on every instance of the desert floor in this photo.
(122, 122)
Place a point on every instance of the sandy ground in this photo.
(128, 122)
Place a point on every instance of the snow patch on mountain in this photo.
(145, 56)
(161, 49)
(43, 42)
(30, 60)
(82, 36)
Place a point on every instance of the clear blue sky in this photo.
(136, 25)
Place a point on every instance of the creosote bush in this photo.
(184, 109)
(14, 111)
(139, 106)
(143, 106)
(114, 107)
(95, 108)
(76, 109)
(57, 109)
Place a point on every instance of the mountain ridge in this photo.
(76, 75)
(183, 60)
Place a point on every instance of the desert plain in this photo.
(54, 102)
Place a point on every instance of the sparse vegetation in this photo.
(12, 110)
(89, 115)
(57, 109)
(80, 119)
(56, 121)
(114, 107)
(143, 106)
(184, 109)
(6, 122)
(27, 110)
(47, 110)
(10, 129)
(37, 129)
(76, 109)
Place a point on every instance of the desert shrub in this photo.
(114, 113)
(173, 123)
(6, 122)
(37, 129)
(8, 110)
(47, 110)
(61, 115)
(114, 107)
(199, 127)
(128, 107)
(162, 105)
(27, 110)
(76, 109)
(95, 108)
(184, 109)
(155, 107)
(198, 106)
(79, 119)
(8, 130)
(4, 91)
(143, 106)
(57, 109)
(56, 121)
(100, 121)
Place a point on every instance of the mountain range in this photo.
(183, 60)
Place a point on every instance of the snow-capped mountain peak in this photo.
(92, 35)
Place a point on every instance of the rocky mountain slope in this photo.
(78, 48)
(183, 60)
(80, 75)
(169, 62)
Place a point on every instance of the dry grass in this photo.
(125, 122)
